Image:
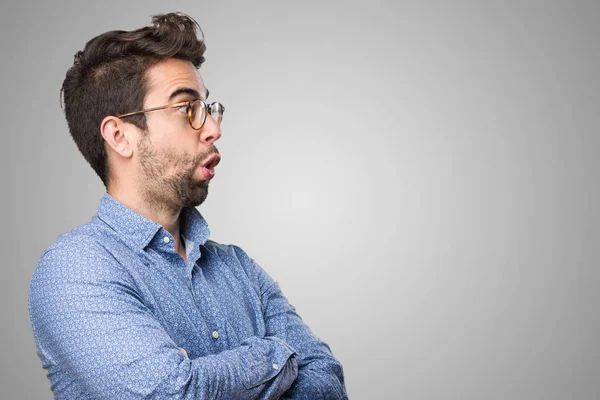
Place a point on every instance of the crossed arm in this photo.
(320, 375)
(97, 337)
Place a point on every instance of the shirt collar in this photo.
(140, 230)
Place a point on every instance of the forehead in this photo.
(170, 75)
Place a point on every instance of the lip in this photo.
(211, 161)
(208, 166)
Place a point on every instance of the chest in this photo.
(205, 308)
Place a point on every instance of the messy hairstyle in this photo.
(108, 77)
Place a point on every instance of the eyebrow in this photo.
(190, 91)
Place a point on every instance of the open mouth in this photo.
(208, 167)
(212, 161)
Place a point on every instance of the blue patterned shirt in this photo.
(111, 302)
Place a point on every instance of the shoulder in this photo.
(78, 254)
(240, 262)
(234, 257)
(227, 251)
(77, 267)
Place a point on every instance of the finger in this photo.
(182, 350)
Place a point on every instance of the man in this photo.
(139, 303)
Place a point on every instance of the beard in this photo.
(169, 177)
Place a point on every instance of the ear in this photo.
(115, 132)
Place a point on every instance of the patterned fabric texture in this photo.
(111, 303)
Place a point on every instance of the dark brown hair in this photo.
(108, 77)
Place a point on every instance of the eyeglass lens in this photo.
(198, 113)
(216, 111)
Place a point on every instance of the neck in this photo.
(164, 214)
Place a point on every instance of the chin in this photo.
(196, 194)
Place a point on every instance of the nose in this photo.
(210, 131)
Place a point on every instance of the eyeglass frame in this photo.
(207, 109)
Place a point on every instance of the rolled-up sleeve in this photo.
(320, 374)
(90, 325)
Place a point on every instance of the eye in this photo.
(183, 109)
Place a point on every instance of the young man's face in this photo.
(171, 153)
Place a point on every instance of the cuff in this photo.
(264, 360)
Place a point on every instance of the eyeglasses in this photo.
(196, 111)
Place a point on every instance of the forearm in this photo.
(320, 374)
(258, 369)
(318, 382)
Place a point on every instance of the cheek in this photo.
(179, 149)
(162, 139)
(165, 132)
(183, 141)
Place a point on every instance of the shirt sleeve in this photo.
(320, 374)
(93, 330)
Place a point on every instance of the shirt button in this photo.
(215, 334)
(166, 239)
(275, 366)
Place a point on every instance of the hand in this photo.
(182, 350)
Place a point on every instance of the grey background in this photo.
(422, 180)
